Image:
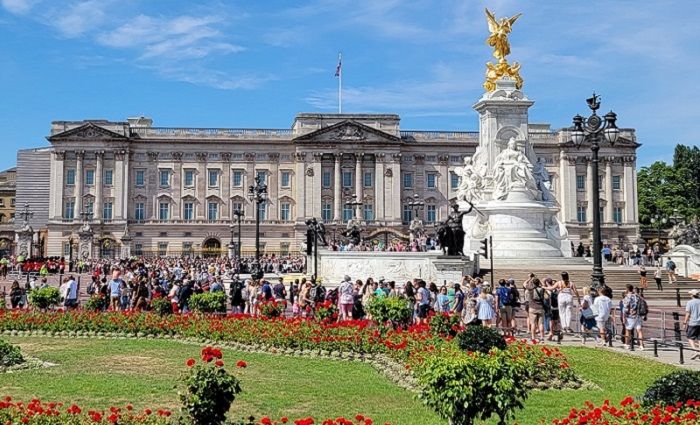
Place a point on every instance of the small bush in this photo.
(445, 324)
(678, 386)
(327, 311)
(162, 306)
(481, 339)
(390, 310)
(9, 354)
(208, 302)
(44, 298)
(271, 309)
(95, 303)
(210, 389)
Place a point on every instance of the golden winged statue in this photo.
(498, 39)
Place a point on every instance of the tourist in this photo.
(643, 283)
(115, 288)
(602, 306)
(633, 320)
(671, 269)
(536, 297)
(657, 278)
(423, 300)
(505, 308)
(485, 307)
(235, 292)
(173, 296)
(15, 295)
(588, 316)
(184, 294)
(566, 291)
(217, 285)
(141, 294)
(71, 299)
(692, 322)
(346, 298)
(515, 304)
(458, 307)
(392, 289)
(551, 313)
(125, 295)
(305, 300)
(443, 301)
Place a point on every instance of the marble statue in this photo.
(416, 229)
(688, 234)
(513, 170)
(470, 182)
(543, 180)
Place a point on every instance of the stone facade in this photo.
(175, 189)
(7, 210)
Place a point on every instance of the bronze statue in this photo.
(450, 232)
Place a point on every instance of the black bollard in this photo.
(680, 353)
(678, 297)
(677, 326)
(656, 348)
(632, 340)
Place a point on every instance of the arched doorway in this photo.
(6, 247)
(108, 248)
(211, 248)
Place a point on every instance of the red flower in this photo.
(219, 363)
(190, 362)
(241, 364)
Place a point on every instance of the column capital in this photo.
(338, 156)
(358, 156)
(249, 156)
(80, 154)
(119, 155)
(396, 157)
(99, 154)
(59, 155)
(379, 157)
(152, 156)
(298, 156)
(273, 156)
(201, 156)
(419, 158)
(318, 156)
(443, 159)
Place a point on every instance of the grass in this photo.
(101, 373)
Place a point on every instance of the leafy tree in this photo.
(663, 188)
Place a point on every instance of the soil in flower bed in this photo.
(106, 372)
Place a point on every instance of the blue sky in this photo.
(258, 63)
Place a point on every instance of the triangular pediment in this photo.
(87, 131)
(347, 132)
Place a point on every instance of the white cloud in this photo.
(18, 7)
(80, 18)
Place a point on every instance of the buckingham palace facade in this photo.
(173, 191)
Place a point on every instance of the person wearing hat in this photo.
(692, 321)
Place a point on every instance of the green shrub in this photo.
(678, 386)
(162, 306)
(271, 309)
(209, 389)
(327, 311)
(463, 387)
(9, 354)
(208, 302)
(95, 303)
(481, 339)
(390, 310)
(44, 298)
(445, 324)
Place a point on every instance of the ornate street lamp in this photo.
(315, 231)
(239, 216)
(658, 222)
(592, 130)
(416, 205)
(354, 203)
(257, 194)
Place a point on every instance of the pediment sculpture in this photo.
(350, 132)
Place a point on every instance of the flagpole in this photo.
(340, 84)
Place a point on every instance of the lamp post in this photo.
(416, 205)
(239, 216)
(351, 201)
(658, 221)
(593, 130)
(257, 194)
(314, 227)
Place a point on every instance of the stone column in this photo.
(152, 183)
(300, 186)
(379, 206)
(80, 155)
(99, 170)
(250, 179)
(57, 172)
(337, 190)
(178, 182)
(564, 187)
(589, 190)
(273, 186)
(629, 192)
(126, 189)
(444, 184)
(608, 190)
(201, 185)
(120, 188)
(316, 177)
(225, 184)
(394, 198)
(358, 181)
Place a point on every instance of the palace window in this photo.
(70, 177)
(616, 183)
(138, 249)
(140, 178)
(285, 179)
(164, 178)
(188, 211)
(237, 206)
(347, 178)
(454, 180)
(237, 178)
(262, 211)
(285, 211)
(617, 215)
(368, 210)
(139, 211)
(162, 249)
(326, 179)
(262, 174)
(407, 214)
(431, 181)
(347, 213)
(187, 249)
(367, 180)
(326, 212)
(107, 211)
(69, 209)
(430, 214)
(213, 178)
(580, 182)
(581, 214)
(164, 211)
(408, 180)
(89, 177)
(212, 211)
(90, 207)
(109, 178)
(189, 178)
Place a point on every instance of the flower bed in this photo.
(630, 412)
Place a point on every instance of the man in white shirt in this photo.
(692, 321)
(603, 306)
(71, 297)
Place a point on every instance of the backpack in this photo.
(642, 307)
(318, 293)
(671, 265)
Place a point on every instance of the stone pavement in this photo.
(666, 354)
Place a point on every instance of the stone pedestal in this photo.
(687, 259)
(450, 269)
(126, 247)
(85, 244)
(25, 240)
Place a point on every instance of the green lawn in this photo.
(101, 373)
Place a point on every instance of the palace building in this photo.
(172, 191)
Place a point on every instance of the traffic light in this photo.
(484, 249)
(309, 242)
